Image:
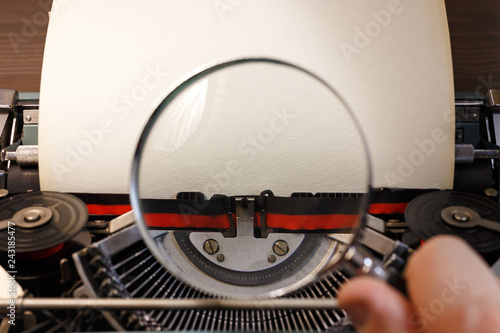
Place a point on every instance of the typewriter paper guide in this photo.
(107, 65)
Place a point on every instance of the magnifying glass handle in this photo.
(360, 262)
(397, 280)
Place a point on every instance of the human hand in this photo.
(450, 288)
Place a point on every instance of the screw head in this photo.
(32, 217)
(461, 217)
(280, 247)
(271, 258)
(491, 192)
(211, 246)
(220, 257)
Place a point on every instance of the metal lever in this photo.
(29, 217)
(374, 240)
(464, 217)
(8, 100)
(168, 304)
(493, 99)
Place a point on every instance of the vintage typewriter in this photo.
(81, 250)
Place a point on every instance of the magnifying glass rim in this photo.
(177, 89)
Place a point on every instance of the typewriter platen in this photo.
(75, 248)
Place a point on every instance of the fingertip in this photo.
(355, 299)
(374, 306)
(446, 280)
(436, 247)
(448, 260)
(444, 248)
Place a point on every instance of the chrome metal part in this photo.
(28, 218)
(464, 153)
(487, 153)
(491, 193)
(493, 99)
(471, 103)
(23, 155)
(30, 117)
(460, 217)
(342, 238)
(394, 252)
(172, 304)
(241, 274)
(280, 247)
(8, 98)
(121, 222)
(378, 242)
(496, 123)
(464, 217)
(121, 265)
(8, 156)
(211, 246)
(360, 262)
(245, 252)
(395, 225)
(375, 223)
(27, 155)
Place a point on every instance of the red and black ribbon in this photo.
(337, 213)
(332, 212)
(318, 213)
(188, 214)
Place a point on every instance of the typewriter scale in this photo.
(74, 248)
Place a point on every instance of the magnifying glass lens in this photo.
(242, 171)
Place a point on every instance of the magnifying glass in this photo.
(242, 174)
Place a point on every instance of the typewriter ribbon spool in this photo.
(43, 221)
(47, 227)
(456, 213)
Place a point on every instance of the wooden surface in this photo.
(23, 27)
(475, 43)
(474, 30)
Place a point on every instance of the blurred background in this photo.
(474, 29)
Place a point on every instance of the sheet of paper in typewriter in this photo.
(108, 63)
